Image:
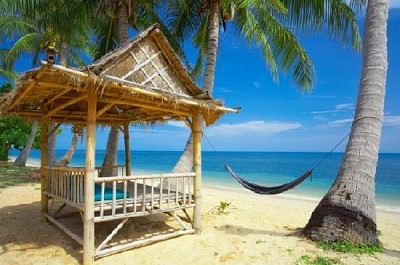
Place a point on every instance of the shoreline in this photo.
(380, 207)
(295, 197)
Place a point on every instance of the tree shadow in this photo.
(24, 229)
(391, 252)
(240, 230)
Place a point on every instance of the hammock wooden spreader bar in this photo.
(268, 190)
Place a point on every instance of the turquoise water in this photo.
(265, 168)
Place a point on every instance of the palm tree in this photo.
(37, 23)
(138, 14)
(347, 211)
(269, 26)
(23, 155)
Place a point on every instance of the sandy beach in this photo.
(254, 230)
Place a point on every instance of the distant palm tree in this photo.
(347, 211)
(268, 25)
(34, 24)
(122, 15)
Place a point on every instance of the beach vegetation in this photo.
(346, 246)
(17, 133)
(347, 212)
(319, 260)
(223, 206)
(11, 175)
(36, 27)
(289, 250)
(260, 241)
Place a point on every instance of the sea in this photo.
(264, 168)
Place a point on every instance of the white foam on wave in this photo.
(30, 162)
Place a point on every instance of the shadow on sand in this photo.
(23, 229)
(240, 230)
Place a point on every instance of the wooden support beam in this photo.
(65, 229)
(67, 86)
(66, 104)
(150, 106)
(197, 135)
(56, 96)
(142, 242)
(90, 176)
(127, 149)
(133, 87)
(104, 109)
(44, 123)
(28, 88)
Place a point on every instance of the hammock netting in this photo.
(268, 190)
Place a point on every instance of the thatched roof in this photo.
(143, 80)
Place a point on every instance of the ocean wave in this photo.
(31, 162)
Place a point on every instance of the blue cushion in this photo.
(108, 193)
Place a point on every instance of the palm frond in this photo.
(13, 26)
(335, 17)
(26, 43)
(247, 26)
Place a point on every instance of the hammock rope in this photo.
(264, 190)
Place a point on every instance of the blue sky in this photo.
(277, 116)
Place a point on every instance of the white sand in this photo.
(256, 230)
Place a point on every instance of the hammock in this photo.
(269, 190)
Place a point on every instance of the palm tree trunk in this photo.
(185, 162)
(110, 158)
(63, 53)
(64, 161)
(347, 211)
(51, 145)
(52, 140)
(23, 155)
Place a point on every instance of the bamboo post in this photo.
(196, 132)
(127, 150)
(88, 223)
(44, 123)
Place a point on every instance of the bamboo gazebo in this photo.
(141, 81)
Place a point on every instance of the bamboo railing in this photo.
(121, 196)
(66, 183)
(141, 195)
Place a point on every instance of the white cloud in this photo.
(394, 4)
(319, 96)
(391, 121)
(344, 106)
(338, 108)
(340, 122)
(256, 84)
(179, 124)
(253, 127)
(224, 89)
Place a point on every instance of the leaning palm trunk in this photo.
(64, 161)
(110, 158)
(52, 140)
(23, 155)
(347, 211)
(185, 162)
